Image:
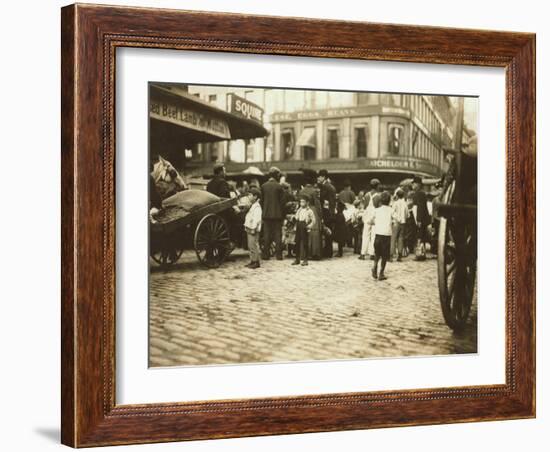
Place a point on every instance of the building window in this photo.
(212, 98)
(395, 138)
(213, 151)
(361, 141)
(308, 142)
(333, 143)
(310, 153)
(287, 144)
(196, 153)
(426, 146)
(415, 141)
(249, 149)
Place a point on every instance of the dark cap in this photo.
(417, 180)
(254, 191)
(323, 173)
(374, 182)
(385, 198)
(310, 175)
(218, 166)
(274, 171)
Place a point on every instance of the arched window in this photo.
(395, 138)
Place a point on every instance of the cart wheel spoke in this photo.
(456, 270)
(451, 267)
(212, 241)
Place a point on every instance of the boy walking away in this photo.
(372, 200)
(305, 221)
(382, 222)
(253, 226)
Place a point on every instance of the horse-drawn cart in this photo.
(193, 219)
(457, 236)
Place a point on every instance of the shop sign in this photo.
(401, 164)
(245, 109)
(326, 113)
(190, 118)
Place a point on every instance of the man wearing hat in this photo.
(272, 213)
(328, 206)
(218, 185)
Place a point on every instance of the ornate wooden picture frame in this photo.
(90, 37)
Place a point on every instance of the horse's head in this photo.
(167, 179)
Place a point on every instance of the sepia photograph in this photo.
(294, 225)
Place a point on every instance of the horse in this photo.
(167, 180)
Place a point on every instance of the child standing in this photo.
(289, 228)
(340, 228)
(252, 226)
(305, 221)
(400, 212)
(358, 227)
(382, 222)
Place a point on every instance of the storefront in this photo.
(179, 122)
(355, 143)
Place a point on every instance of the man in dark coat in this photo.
(328, 206)
(218, 185)
(272, 214)
(346, 196)
(423, 218)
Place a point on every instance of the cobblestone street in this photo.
(332, 309)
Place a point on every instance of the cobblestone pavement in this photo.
(332, 309)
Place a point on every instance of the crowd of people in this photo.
(308, 222)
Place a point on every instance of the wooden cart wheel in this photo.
(457, 262)
(165, 256)
(212, 242)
